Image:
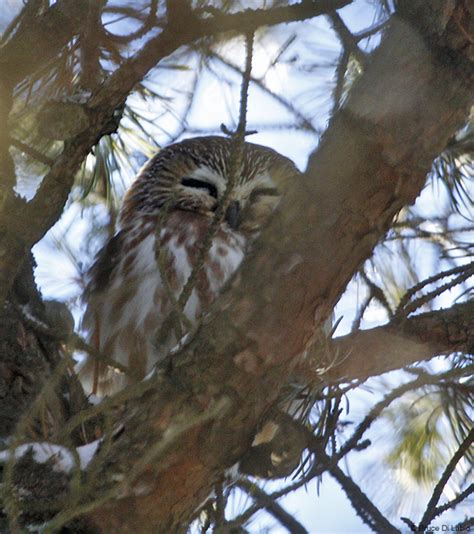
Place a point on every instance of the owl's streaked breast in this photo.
(125, 318)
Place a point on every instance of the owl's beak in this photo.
(233, 215)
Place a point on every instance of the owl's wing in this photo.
(99, 278)
(130, 298)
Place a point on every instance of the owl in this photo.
(173, 251)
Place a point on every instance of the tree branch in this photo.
(272, 507)
(430, 512)
(362, 505)
(348, 41)
(189, 27)
(31, 45)
(372, 352)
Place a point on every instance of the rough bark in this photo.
(373, 160)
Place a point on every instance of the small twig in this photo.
(410, 523)
(362, 505)
(360, 313)
(430, 511)
(147, 25)
(453, 502)
(371, 31)
(405, 308)
(32, 152)
(376, 293)
(273, 508)
(348, 41)
(423, 379)
(234, 167)
(303, 121)
(340, 77)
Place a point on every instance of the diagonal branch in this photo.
(348, 40)
(362, 505)
(31, 45)
(273, 508)
(430, 511)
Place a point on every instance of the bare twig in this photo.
(348, 41)
(303, 121)
(147, 25)
(430, 512)
(234, 168)
(273, 508)
(31, 152)
(405, 308)
(371, 31)
(376, 292)
(453, 502)
(340, 78)
(424, 379)
(362, 505)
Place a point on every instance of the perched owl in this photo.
(135, 290)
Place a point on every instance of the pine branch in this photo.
(430, 512)
(31, 45)
(421, 337)
(423, 379)
(362, 505)
(406, 307)
(453, 502)
(31, 152)
(264, 500)
(189, 27)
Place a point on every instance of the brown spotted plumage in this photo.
(133, 313)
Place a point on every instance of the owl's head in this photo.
(192, 175)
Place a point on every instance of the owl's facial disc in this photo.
(251, 201)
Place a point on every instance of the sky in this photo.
(323, 509)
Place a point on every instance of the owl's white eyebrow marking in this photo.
(207, 174)
(261, 181)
